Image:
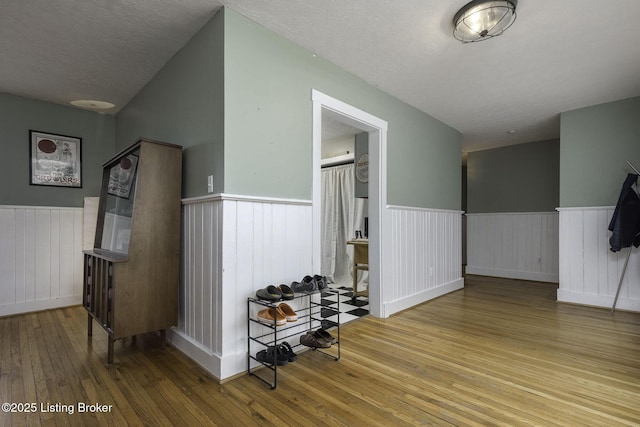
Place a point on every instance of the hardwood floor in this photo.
(499, 352)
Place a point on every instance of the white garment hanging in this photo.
(342, 215)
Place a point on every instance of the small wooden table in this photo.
(360, 262)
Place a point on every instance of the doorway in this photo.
(344, 206)
(378, 219)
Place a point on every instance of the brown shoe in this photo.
(288, 313)
(268, 315)
(323, 334)
(310, 340)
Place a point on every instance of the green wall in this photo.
(595, 144)
(238, 98)
(268, 123)
(518, 178)
(184, 104)
(19, 115)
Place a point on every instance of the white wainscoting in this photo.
(233, 246)
(426, 257)
(589, 271)
(41, 260)
(513, 245)
(200, 313)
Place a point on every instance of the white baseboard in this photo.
(196, 352)
(419, 298)
(598, 300)
(39, 305)
(234, 364)
(512, 274)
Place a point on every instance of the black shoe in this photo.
(280, 355)
(297, 287)
(310, 283)
(270, 293)
(264, 356)
(287, 292)
(288, 351)
(321, 281)
(306, 285)
(273, 356)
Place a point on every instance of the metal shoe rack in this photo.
(309, 318)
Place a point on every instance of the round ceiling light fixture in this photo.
(481, 20)
(92, 105)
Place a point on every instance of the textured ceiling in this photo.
(558, 56)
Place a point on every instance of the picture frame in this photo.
(55, 160)
(122, 175)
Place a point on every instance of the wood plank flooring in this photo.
(499, 352)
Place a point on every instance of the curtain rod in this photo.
(330, 165)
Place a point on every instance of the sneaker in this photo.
(310, 283)
(306, 285)
(269, 315)
(287, 312)
(270, 293)
(321, 281)
(310, 340)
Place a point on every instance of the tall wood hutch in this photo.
(131, 276)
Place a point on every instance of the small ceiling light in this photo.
(92, 105)
(481, 20)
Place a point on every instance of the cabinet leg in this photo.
(163, 338)
(89, 325)
(110, 350)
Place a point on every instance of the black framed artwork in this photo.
(55, 160)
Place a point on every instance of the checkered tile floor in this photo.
(349, 310)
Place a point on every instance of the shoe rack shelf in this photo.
(308, 307)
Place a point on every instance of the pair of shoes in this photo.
(273, 355)
(317, 339)
(310, 284)
(307, 284)
(275, 293)
(281, 314)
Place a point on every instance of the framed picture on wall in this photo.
(55, 160)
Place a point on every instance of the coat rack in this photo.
(626, 262)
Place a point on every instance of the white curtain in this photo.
(342, 215)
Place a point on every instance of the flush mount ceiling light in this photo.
(92, 105)
(481, 20)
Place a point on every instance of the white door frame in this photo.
(379, 217)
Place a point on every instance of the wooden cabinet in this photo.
(131, 277)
